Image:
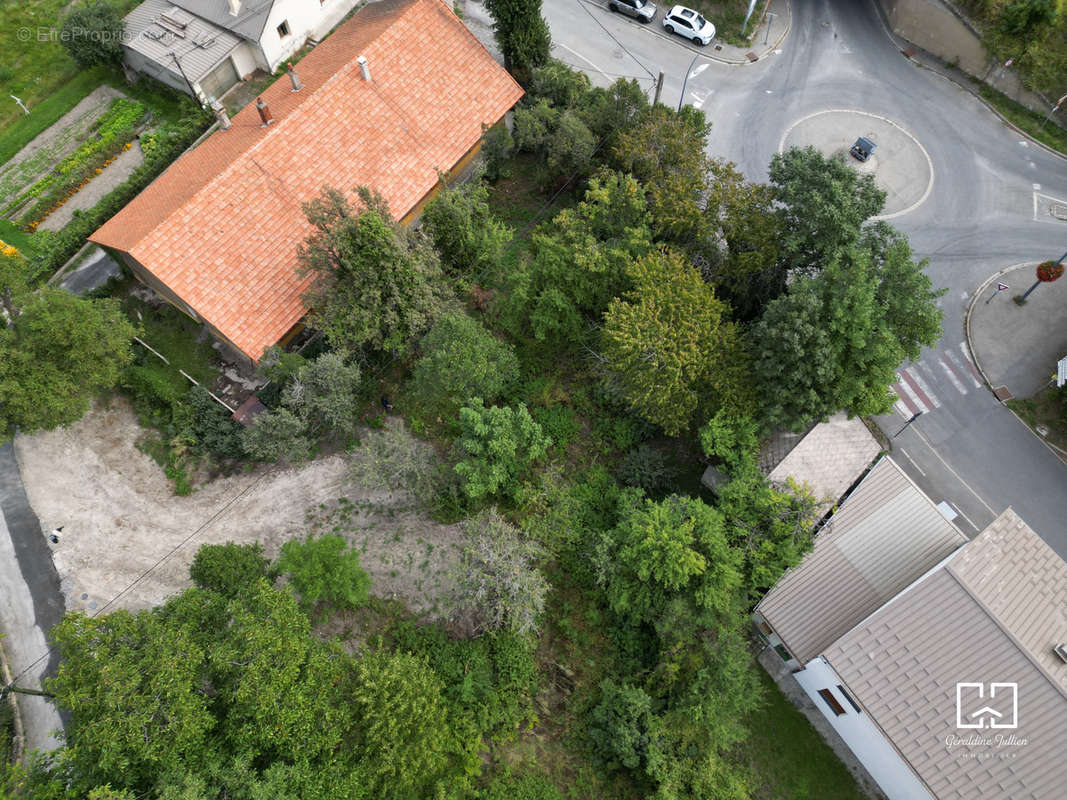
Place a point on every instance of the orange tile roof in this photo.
(221, 226)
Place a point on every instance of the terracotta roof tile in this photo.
(221, 226)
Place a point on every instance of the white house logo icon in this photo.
(975, 709)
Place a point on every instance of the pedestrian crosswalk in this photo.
(949, 369)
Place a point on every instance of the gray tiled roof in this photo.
(249, 22)
(992, 613)
(199, 47)
(886, 534)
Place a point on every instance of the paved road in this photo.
(978, 218)
(30, 603)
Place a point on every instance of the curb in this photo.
(895, 39)
(974, 357)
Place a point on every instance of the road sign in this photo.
(1001, 287)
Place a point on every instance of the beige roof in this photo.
(992, 613)
(886, 535)
(830, 458)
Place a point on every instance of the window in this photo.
(283, 29)
(831, 701)
(765, 629)
(848, 697)
(780, 650)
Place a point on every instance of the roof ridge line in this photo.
(996, 621)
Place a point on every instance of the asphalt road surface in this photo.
(966, 448)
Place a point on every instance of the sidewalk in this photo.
(1017, 347)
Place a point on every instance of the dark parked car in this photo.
(638, 9)
(862, 149)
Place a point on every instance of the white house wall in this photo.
(306, 19)
(862, 736)
(244, 60)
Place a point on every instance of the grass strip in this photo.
(1030, 122)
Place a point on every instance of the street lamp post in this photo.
(1054, 109)
(690, 73)
(1055, 269)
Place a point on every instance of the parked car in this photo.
(862, 149)
(688, 23)
(638, 9)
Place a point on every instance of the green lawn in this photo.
(788, 758)
(33, 64)
(1025, 119)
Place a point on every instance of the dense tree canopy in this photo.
(522, 34)
(373, 284)
(92, 33)
(670, 345)
(58, 352)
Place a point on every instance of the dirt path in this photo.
(120, 517)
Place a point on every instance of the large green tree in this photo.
(823, 203)
(373, 284)
(582, 260)
(468, 237)
(670, 346)
(56, 353)
(834, 340)
(498, 446)
(92, 32)
(665, 152)
(522, 34)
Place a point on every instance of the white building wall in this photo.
(862, 736)
(244, 59)
(306, 19)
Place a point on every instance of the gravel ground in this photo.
(121, 519)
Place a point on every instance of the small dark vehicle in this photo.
(862, 149)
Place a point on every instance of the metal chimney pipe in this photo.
(364, 67)
(235, 7)
(221, 115)
(264, 112)
(295, 79)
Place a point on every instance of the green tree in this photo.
(675, 548)
(823, 204)
(835, 340)
(741, 258)
(497, 575)
(560, 85)
(275, 435)
(665, 152)
(324, 393)
(92, 33)
(670, 346)
(228, 569)
(559, 138)
(321, 570)
(582, 259)
(58, 352)
(613, 111)
(1024, 17)
(498, 446)
(461, 360)
(522, 34)
(468, 237)
(623, 730)
(373, 284)
(403, 740)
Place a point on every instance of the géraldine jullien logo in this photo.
(981, 705)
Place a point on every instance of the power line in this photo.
(612, 36)
(148, 571)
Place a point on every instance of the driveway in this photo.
(30, 604)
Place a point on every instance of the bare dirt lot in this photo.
(120, 517)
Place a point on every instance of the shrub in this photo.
(92, 33)
(499, 447)
(497, 575)
(276, 435)
(321, 571)
(622, 728)
(324, 395)
(469, 239)
(526, 786)
(212, 427)
(647, 468)
(228, 569)
(560, 85)
(558, 422)
(461, 360)
(497, 147)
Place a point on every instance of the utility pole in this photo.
(659, 88)
(767, 31)
(1048, 116)
(18, 690)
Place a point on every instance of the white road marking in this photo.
(922, 383)
(900, 408)
(968, 520)
(970, 362)
(952, 376)
(1024, 144)
(912, 460)
(1037, 187)
(966, 485)
(955, 359)
(586, 60)
(914, 398)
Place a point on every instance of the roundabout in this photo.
(900, 165)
